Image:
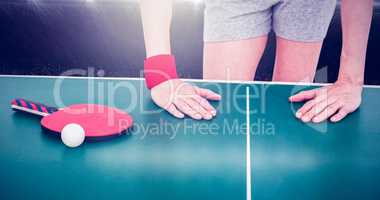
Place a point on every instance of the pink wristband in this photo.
(158, 69)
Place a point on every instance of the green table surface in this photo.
(168, 158)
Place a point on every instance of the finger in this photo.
(208, 94)
(302, 96)
(321, 95)
(198, 108)
(340, 115)
(321, 98)
(205, 104)
(318, 108)
(174, 111)
(326, 113)
(185, 108)
(305, 108)
(323, 103)
(310, 114)
(315, 110)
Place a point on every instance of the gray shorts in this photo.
(297, 20)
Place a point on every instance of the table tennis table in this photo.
(167, 158)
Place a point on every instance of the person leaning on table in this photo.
(235, 35)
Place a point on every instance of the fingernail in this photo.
(305, 119)
(298, 114)
(213, 112)
(208, 116)
(198, 116)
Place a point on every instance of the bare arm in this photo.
(175, 96)
(156, 18)
(356, 21)
(344, 97)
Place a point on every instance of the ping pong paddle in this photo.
(96, 120)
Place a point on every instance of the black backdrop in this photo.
(49, 37)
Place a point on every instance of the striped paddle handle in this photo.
(32, 107)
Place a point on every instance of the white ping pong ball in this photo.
(72, 135)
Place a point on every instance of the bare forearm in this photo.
(356, 20)
(156, 19)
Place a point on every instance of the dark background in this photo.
(49, 37)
